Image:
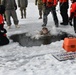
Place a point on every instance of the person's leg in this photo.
(64, 13)
(24, 12)
(40, 10)
(8, 20)
(14, 16)
(65, 16)
(74, 23)
(55, 18)
(21, 10)
(40, 13)
(45, 14)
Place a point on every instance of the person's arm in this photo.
(18, 3)
(26, 3)
(15, 5)
(3, 2)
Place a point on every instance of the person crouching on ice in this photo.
(3, 38)
(73, 14)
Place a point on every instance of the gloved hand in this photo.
(15, 7)
(70, 21)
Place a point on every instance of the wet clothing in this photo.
(10, 11)
(23, 5)
(51, 7)
(40, 6)
(64, 10)
(73, 14)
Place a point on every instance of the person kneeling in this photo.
(3, 38)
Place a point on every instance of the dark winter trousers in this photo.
(64, 12)
(47, 11)
(74, 23)
(23, 12)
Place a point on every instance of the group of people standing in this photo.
(50, 6)
(10, 11)
(44, 7)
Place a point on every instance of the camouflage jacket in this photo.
(38, 2)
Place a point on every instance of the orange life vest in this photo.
(62, 1)
(73, 9)
(50, 3)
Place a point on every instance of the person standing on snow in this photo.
(73, 14)
(40, 7)
(10, 11)
(64, 5)
(23, 5)
(49, 6)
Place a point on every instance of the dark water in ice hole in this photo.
(27, 41)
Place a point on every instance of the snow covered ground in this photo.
(36, 60)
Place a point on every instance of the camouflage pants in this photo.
(9, 14)
(40, 8)
(23, 12)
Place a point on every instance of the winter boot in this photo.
(40, 17)
(17, 26)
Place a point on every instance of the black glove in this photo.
(70, 21)
(15, 7)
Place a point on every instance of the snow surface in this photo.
(36, 60)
